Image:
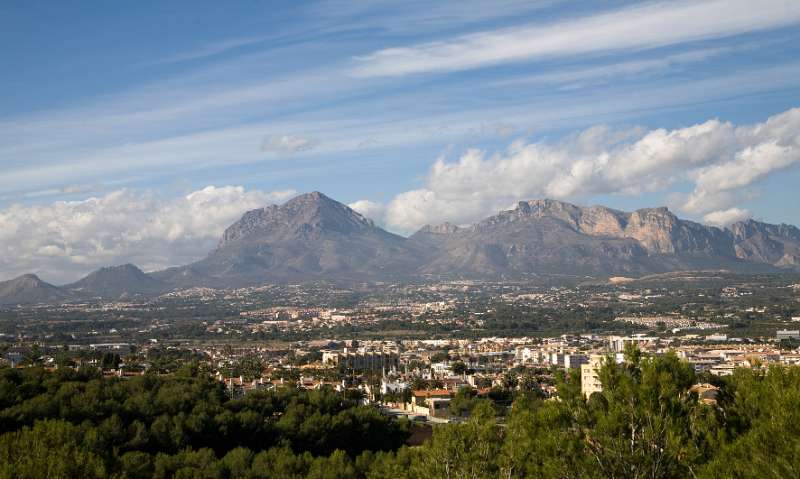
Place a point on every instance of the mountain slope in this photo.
(310, 237)
(547, 236)
(117, 281)
(778, 245)
(29, 289)
(541, 236)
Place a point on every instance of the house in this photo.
(430, 402)
(706, 393)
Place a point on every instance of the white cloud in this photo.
(287, 144)
(66, 239)
(633, 28)
(726, 217)
(370, 209)
(718, 158)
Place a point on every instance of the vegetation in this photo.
(645, 424)
(78, 424)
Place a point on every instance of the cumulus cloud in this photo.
(717, 158)
(370, 209)
(726, 217)
(66, 239)
(287, 144)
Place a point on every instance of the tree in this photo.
(51, 449)
(462, 450)
(110, 360)
(510, 380)
(458, 368)
(463, 402)
(762, 418)
(645, 428)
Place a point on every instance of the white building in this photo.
(787, 334)
(590, 375)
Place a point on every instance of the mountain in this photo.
(762, 242)
(314, 238)
(434, 235)
(29, 289)
(554, 237)
(310, 237)
(116, 282)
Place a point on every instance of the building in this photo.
(782, 334)
(434, 402)
(375, 361)
(392, 386)
(706, 393)
(590, 375)
(618, 343)
(119, 348)
(439, 407)
(575, 361)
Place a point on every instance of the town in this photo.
(419, 350)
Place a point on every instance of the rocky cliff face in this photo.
(661, 232)
(778, 245)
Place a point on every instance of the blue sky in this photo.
(411, 112)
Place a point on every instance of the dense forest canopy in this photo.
(645, 424)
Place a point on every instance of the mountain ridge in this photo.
(313, 237)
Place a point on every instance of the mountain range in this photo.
(312, 237)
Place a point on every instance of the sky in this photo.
(137, 131)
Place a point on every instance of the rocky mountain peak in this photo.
(653, 228)
(116, 281)
(546, 206)
(303, 215)
(445, 228)
(29, 288)
(28, 280)
(116, 273)
(749, 227)
(122, 268)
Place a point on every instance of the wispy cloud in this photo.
(355, 127)
(421, 16)
(211, 50)
(581, 77)
(287, 143)
(632, 28)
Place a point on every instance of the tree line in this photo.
(644, 424)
